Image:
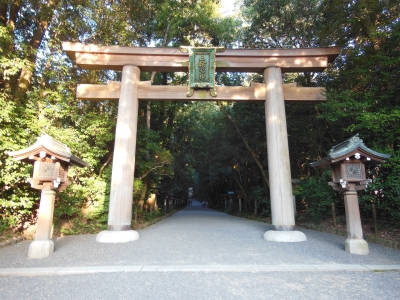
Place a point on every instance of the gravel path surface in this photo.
(192, 285)
(203, 238)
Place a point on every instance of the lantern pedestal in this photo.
(43, 246)
(355, 244)
(285, 236)
(122, 236)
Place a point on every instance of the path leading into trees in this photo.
(200, 253)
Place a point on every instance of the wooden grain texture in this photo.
(255, 93)
(99, 57)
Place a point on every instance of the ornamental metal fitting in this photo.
(202, 64)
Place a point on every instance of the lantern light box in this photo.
(347, 161)
(51, 160)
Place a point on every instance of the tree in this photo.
(281, 23)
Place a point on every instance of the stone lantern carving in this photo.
(347, 161)
(51, 160)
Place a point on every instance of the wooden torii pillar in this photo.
(132, 60)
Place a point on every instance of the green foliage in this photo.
(17, 200)
(48, 103)
(195, 144)
(384, 191)
(281, 23)
(195, 23)
(317, 195)
(260, 195)
(231, 208)
(362, 86)
(153, 157)
(3, 225)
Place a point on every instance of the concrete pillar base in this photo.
(285, 236)
(117, 236)
(356, 246)
(41, 249)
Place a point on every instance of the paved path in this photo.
(199, 253)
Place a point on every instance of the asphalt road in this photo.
(199, 253)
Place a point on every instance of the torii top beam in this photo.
(98, 57)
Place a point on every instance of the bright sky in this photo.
(228, 7)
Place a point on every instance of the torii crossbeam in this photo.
(255, 93)
(133, 60)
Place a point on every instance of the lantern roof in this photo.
(47, 146)
(354, 146)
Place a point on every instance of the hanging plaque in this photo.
(202, 68)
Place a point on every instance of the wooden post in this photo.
(334, 215)
(375, 219)
(278, 152)
(120, 210)
(120, 213)
(240, 205)
(278, 161)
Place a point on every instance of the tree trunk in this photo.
(12, 19)
(144, 190)
(253, 154)
(243, 191)
(10, 24)
(24, 80)
(110, 157)
(3, 14)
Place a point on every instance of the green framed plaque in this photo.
(202, 65)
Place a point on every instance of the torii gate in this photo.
(133, 60)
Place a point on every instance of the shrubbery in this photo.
(317, 195)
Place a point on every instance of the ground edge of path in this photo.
(60, 271)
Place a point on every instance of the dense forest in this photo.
(212, 147)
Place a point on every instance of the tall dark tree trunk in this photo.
(247, 200)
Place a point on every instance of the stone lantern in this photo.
(347, 161)
(51, 160)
